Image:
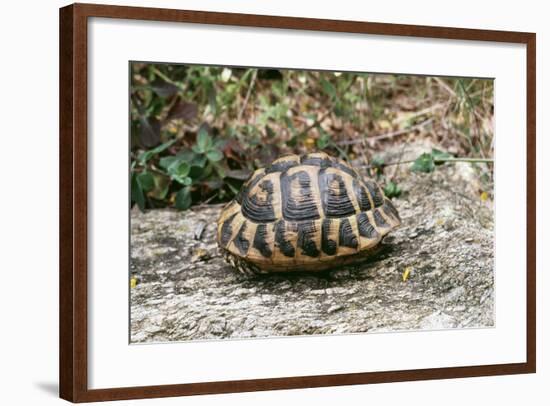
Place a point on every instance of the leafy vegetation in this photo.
(198, 132)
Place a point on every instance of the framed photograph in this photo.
(253, 202)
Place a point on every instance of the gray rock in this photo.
(185, 291)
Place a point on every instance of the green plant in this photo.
(392, 190)
(197, 132)
(156, 173)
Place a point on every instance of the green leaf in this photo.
(290, 125)
(160, 190)
(220, 170)
(293, 141)
(199, 161)
(328, 88)
(207, 171)
(183, 198)
(145, 181)
(392, 190)
(204, 141)
(137, 193)
(220, 143)
(269, 132)
(278, 88)
(440, 157)
(197, 172)
(377, 161)
(339, 109)
(214, 155)
(233, 189)
(424, 163)
(166, 161)
(324, 140)
(147, 155)
(186, 155)
(185, 181)
(179, 168)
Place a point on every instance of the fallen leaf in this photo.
(163, 89)
(149, 131)
(384, 125)
(183, 110)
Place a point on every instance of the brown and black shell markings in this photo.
(308, 213)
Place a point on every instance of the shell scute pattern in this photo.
(307, 213)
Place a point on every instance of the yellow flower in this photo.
(133, 282)
(484, 196)
(406, 273)
(310, 143)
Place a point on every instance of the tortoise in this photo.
(304, 213)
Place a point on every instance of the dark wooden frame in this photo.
(73, 332)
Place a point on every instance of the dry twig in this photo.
(248, 92)
(389, 134)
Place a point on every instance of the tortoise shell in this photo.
(308, 213)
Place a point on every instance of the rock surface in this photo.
(185, 291)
